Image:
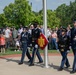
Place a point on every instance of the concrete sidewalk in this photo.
(9, 66)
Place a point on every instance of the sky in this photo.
(37, 4)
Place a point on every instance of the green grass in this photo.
(49, 51)
(53, 51)
(10, 51)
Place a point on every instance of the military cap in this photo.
(25, 28)
(64, 30)
(35, 24)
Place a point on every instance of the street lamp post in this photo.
(45, 28)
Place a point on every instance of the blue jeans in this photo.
(25, 51)
(36, 52)
(64, 59)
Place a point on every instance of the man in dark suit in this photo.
(64, 43)
(24, 41)
(35, 35)
(73, 44)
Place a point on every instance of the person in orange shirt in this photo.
(2, 42)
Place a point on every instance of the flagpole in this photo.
(45, 29)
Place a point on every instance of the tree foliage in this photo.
(20, 12)
(66, 13)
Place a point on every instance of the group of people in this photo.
(62, 39)
(64, 43)
(28, 38)
(8, 37)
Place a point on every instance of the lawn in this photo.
(10, 51)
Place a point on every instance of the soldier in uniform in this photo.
(35, 35)
(63, 44)
(24, 41)
(73, 44)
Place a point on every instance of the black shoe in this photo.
(60, 69)
(73, 72)
(20, 63)
(31, 65)
(40, 62)
(67, 66)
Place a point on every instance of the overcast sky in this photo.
(37, 4)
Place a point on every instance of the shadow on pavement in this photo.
(57, 67)
(17, 61)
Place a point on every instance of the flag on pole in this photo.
(42, 41)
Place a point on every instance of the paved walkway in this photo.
(9, 66)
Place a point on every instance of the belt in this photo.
(23, 41)
(62, 50)
(62, 45)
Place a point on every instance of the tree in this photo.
(72, 9)
(61, 13)
(52, 20)
(66, 13)
(2, 20)
(18, 13)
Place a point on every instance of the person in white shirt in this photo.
(20, 30)
(7, 36)
(49, 37)
(7, 32)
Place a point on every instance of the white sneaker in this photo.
(15, 50)
(57, 50)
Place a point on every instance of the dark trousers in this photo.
(7, 43)
(25, 51)
(64, 59)
(74, 62)
(34, 53)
